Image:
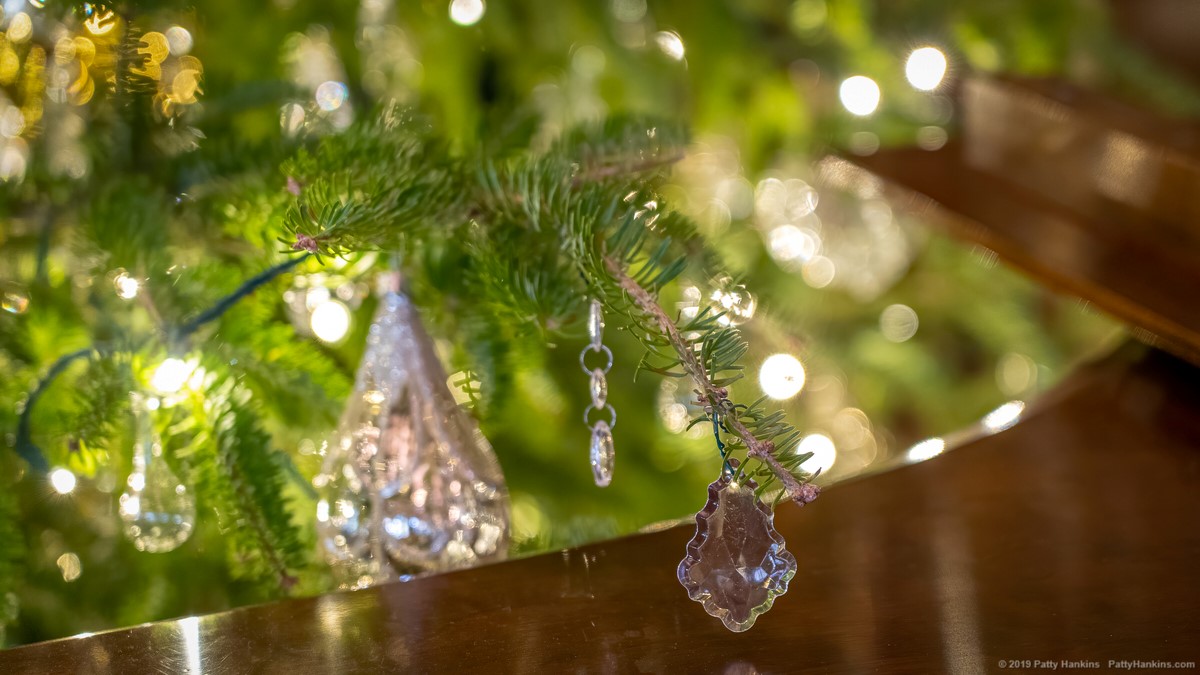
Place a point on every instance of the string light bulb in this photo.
(171, 375)
(925, 68)
(62, 480)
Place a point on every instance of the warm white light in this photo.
(330, 321)
(898, 322)
(1003, 417)
(824, 452)
(736, 304)
(171, 375)
(63, 481)
(926, 449)
(68, 563)
(781, 376)
(819, 272)
(466, 12)
(860, 95)
(130, 505)
(179, 40)
(788, 243)
(127, 287)
(925, 68)
(670, 43)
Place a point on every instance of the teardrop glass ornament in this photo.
(156, 508)
(602, 454)
(736, 564)
(409, 484)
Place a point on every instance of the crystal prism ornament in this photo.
(736, 564)
(602, 455)
(409, 485)
(156, 507)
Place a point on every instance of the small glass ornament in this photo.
(601, 452)
(736, 564)
(156, 507)
(409, 485)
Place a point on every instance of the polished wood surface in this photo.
(1137, 274)
(1073, 535)
(1125, 166)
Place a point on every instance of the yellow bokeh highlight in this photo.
(154, 47)
(20, 28)
(101, 21)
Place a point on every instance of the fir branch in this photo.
(713, 396)
(236, 474)
(12, 554)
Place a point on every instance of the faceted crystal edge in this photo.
(692, 556)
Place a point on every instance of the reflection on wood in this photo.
(1072, 535)
(1129, 273)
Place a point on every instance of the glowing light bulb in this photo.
(823, 450)
(926, 449)
(925, 68)
(330, 321)
(63, 481)
(860, 95)
(467, 12)
(781, 376)
(171, 375)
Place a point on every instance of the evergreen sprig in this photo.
(539, 233)
(240, 478)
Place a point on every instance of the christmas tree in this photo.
(198, 200)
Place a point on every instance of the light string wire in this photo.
(24, 445)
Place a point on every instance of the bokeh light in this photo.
(179, 40)
(781, 376)
(1003, 417)
(68, 563)
(898, 322)
(331, 95)
(670, 44)
(127, 287)
(330, 321)
(860, 95)
(926, 449)
(824, 452)
(62, 480)
(925, 68)
(171, 375)
(467, 12)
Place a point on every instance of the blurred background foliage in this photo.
(894, 334)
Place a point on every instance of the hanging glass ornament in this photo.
(156, 507)
(409, 485)
(736, 564)
(601, 452)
